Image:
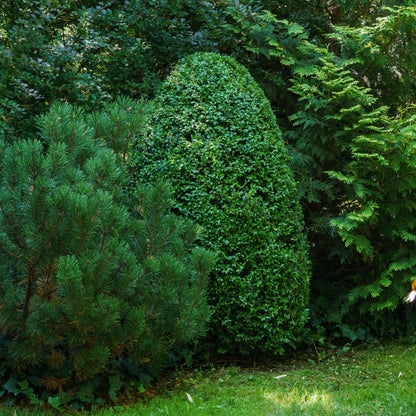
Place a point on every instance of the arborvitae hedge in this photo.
(214, 136)
(356, 167)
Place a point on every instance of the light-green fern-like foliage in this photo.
(384, 53)
(355, 167)
(381, 225)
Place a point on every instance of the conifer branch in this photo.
(98, 272)
(29, 290)
(20, 240)
(8, 252)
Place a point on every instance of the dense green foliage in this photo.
(215, 137)
(384, 55)
(380, 39)
(96, 286)
(340, 78)
(41, 60)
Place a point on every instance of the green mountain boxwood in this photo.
(214, 136)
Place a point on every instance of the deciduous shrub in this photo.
(92, 290)
(214, 136)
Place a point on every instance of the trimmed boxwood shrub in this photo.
(214, 136)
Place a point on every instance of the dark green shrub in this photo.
(214, 136)
(92, 290)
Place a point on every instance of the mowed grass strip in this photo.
(373, 380)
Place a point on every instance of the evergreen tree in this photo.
(90, 286)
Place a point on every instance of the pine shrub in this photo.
(94, 287)
(214, 136)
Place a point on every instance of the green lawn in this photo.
(375, 380)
